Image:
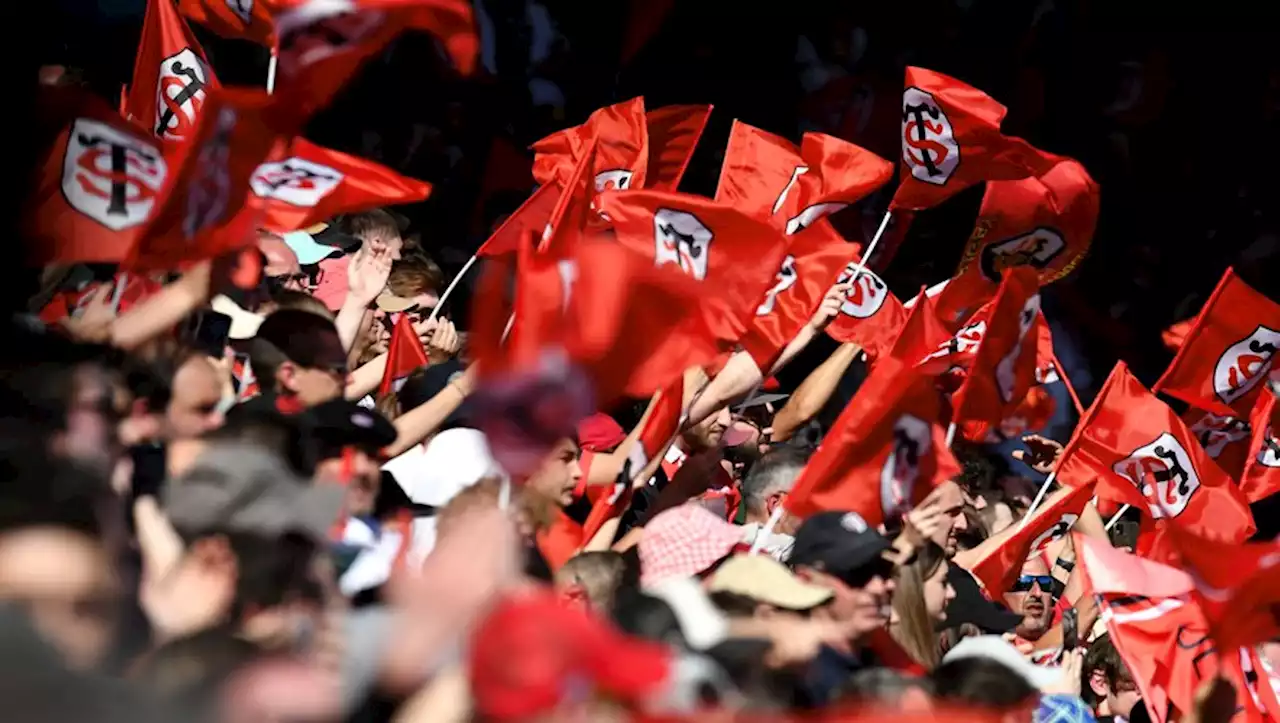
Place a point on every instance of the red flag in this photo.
(530, 219)
(171, 77)
(735, 258)
(884, 453)
(1261, 475)
(812, 264)
(1144, 455)
(569, 217)
(1225, 439)
(404, 355)
(315, 184)
(622, 148)
(240, 19)
(871, 316)
(951, 140)
(323, 44)
(673, 131)
(1238, 586)
(202, 212)
(1000, 567)
(1004, 364)
(768, 177)
(661, 426)
(1228, 351)
(98, 186)
(1046, 223)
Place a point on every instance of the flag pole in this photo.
(1044, 490)
(1112, 522)
(452, 285)
(271, 70)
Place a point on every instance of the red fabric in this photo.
(1176, 334)
(313, 184)
(323, 45)
(1228, 351)
(171, 76)
(661, 426)
(622, 145)
(530, 219)
(136, 288)
(927, 344)
(1046, 223)
(1260, 477)
(1237, 585)
(1142, 454)
(1001, 566)
(644, 19)
(871, 316)
(202, 212)
(571, 214)
(253, 23)
(673, 131)
(766, 176)
(99, 184)
(1225, 439)
(1004, 364)
(951, 140)
(507, 168)
(600, 433)
(405, 355)
(884, 453)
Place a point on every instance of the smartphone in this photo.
(207, 330)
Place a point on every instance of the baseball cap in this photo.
(307, 249)
(764, 579)
(837, 542)
(241, 487)
(600, 432)
(304, 338)
(340, 423)
(971, 606)
(994, 647)
(391, 303)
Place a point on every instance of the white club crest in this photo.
(242, 8)
(912, 441)
(966, 341)
(811, 214)
(786, 279)
(209, 192)
(1037, 249)
(1056, 530)
(109, 176)
(1215, 432)
(1269, 455)
(1244, 364)
(616, 180)
(1006, 368)
(181, 87)
(681, 239)
(295, 181)
(867, 294)
(1163, 473)
(929, 146)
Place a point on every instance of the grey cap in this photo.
(241, 487)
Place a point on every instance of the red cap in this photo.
(533, 652)
(600, 432)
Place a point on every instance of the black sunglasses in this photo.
(1026, 582)
(862, 576)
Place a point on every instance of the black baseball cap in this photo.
(838, 543)
(302, 337)
(971, 606)
(339, 423)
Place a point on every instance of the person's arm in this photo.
(814, 392)
(739, 376)
(366, 378)
(366, 276)
(826, 313)
(159, 313)
(418, 423)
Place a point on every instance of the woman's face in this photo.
(937, 594)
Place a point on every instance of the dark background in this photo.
(1172, 108)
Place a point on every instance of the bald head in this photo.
(281, 260)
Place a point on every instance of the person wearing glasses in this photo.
(1033, 596)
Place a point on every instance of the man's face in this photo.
(63, 580)
(707, 434)
(281, 262)
(193, 405)
(862, 601)
(558, 476)
(951, 501)
(1123, 696)
(90, 437)
(1032, 597)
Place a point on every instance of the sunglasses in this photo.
(863, 576)
(1026, 582)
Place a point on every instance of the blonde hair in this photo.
(598, 573)
(914, 631)
(413, 275)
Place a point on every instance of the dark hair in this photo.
(44, 491)
(977, 472)
(645, 616)
(187, 673)
(374, 221)
(981, 682)
(1103, 657)
(286, 335)
(272, 570)
(883, 686)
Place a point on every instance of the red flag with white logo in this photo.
(1144, 455)
(202, 211)
(1004, 364)
(171, 77)
(673, 131)
(621, 136)
(661, 426)
(1238, 585)
(1228, 352)
(322, 44)
(1260, 477)
(951, 140)
(871, 316)
(813, 263)
(734, 258)
(239, 19)
(313, 184)
(884, 453)
(98, 186)
(405, 355)
(1000, 567)
(1225, 439)
(766, 176)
